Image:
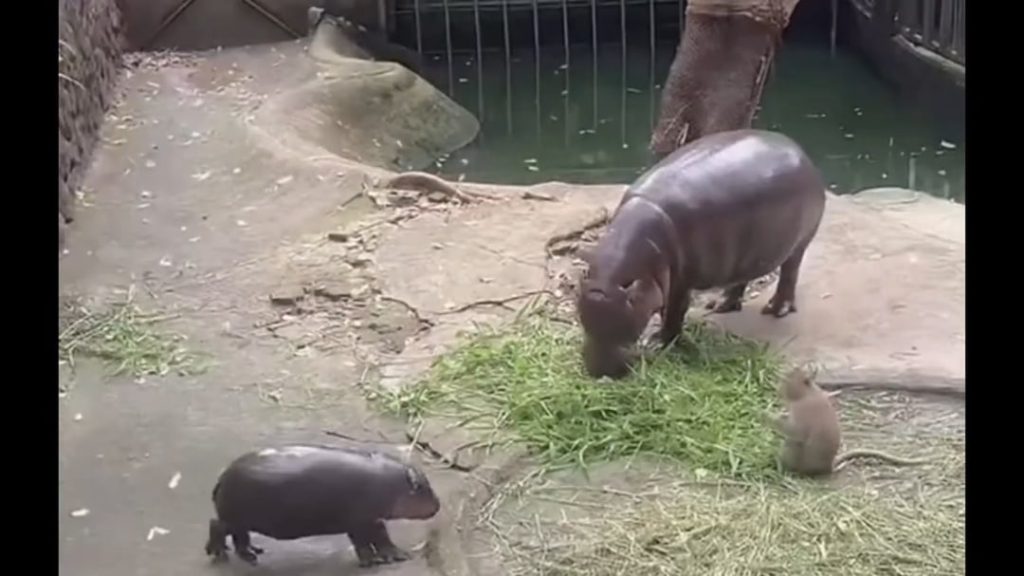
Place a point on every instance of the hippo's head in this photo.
(417, 500)
(614, 310)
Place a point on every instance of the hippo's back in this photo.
(296, 491)
(741, 202)
(729, 168)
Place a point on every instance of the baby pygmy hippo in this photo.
(298, 491)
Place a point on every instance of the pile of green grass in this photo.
(125, 338)
(702, 403)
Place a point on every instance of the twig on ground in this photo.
(502, 302)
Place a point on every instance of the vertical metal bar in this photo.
(650, 87)
(928, 23)
(565, 97)
(419, 28)
(479, 64)
(593, 44)
(946, 25)
(536, 59)
(961, 29)
(682, 19)
(448, 47)
(963, 26)
(622, 17)
(832, 31)
(382, 18)
(508, 67)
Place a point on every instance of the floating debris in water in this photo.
(947, 145)
(625, 145)
(236, 171)
(80, 513)
(156, 531)
(150, 164)
(464, 161)
(530, 161)
(553, 118)
(241, 223)
(285, 180)
(588, 131)
(565, 92)
(884, 176)
(463, 80)
(200, 176)
(848, 136)
(176, 478)
(814, 115)
(942, 172)
(533, 168)
(564, 66)
(634, 91)
(166, 261)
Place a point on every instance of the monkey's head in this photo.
(797, 383)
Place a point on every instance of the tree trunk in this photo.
(719, 70)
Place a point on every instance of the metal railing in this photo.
(938, 25)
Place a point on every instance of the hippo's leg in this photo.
(362, 541)
(783, 302)
(672, 317)
(732, 300)
(216, 543)
(387, 552)
(243, 546)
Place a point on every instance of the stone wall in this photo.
(90, 55)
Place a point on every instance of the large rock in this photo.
(376, 113)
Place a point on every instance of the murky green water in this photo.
(573, 127)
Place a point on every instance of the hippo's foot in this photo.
(391, 554)
(725, 306)
(216, 544)
(779, 307)
(731, 301)
(244, 548)
(668, 338)
(250, 554)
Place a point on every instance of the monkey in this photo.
(811, 430)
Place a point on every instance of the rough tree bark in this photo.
(720, 68)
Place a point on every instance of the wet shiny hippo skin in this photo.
(293, 492)
(717, 213)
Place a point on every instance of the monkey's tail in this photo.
(864, 453)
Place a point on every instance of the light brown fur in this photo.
(812, 433)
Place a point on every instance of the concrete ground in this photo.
(208, 201)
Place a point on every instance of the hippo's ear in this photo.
(586, 254)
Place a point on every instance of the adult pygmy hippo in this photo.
(293, 492)
(718, 212)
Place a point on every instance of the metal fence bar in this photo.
(448, 48)
(622, 117)
(566, 68)
(419, 28)
(937, 25)
(536, 60)
(651, 83)
(479, 65)
(928, 23)
(508, 67)
(593, 42)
